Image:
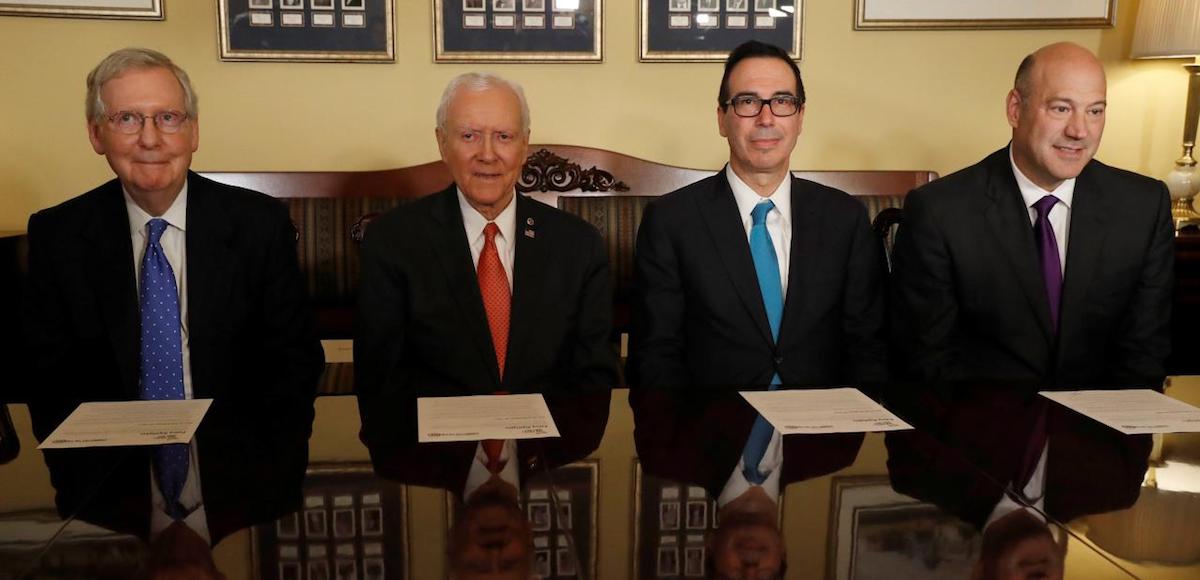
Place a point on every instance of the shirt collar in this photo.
(1031, 192)
(176, 215)
(747, 198)
(474, 222)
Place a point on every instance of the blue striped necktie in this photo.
(162, 358)
(766, 266)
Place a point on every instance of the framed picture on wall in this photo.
(707, 30)
(117, 9)
(518, 31)
(307, 30)
(981, 14)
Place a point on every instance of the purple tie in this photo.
(1048, 256)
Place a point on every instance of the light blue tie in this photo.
(766, 266)
(162, 358)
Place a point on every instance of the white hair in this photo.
(480, 81)
(125, 59)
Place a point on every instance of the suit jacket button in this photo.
(778, 360)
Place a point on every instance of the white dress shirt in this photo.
(771, 464)
(173, 242)
(779, 220)
(479, 474)
(1034, 491)
(1060, 214)
(473, 224)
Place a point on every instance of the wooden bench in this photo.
(607, 189)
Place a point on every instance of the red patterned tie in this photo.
(493, 287)
(497, 301)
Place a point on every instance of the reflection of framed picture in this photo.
(975, 14)
(693, 561)
(572, 34)
(670, 32)
(343, 523)
(541, 563)
(288, 526)
(346, 509)
(668, 561)
(668, 515)
(871, 528)
(697, 515)
(116, 9)
(363, 32)
(539, 516)
(565, 562)
(318, 570)
(564, 516)
(264, 4)
(314, 524)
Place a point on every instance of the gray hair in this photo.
(480, 81)
(117, 63)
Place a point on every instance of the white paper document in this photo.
(1133, 411)
(110, 424)
(483, 417)
(843, 410)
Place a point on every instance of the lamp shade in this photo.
(1167, 29)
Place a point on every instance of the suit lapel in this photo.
(210, 261)
(1085, 244)
(529, 261)
(113, 276)
(449, 245)
(806, 231)
(720, 214)
(1008, 219)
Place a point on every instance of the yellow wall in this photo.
(877, 100)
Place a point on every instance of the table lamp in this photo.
(1171, 29)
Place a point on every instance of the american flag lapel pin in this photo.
(529, 232)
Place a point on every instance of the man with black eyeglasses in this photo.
(752, 276)
(161, 284)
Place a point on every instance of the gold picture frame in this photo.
(105, 9)
(981, 15)
(695, 31)
(550, 31)
(363, 32)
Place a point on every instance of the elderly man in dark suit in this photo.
(161, 284)
(753, 276)
(475, 289)
(1039, 264)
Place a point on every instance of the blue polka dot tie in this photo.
(162, 358)
(766, 267)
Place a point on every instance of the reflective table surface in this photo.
(644, 484)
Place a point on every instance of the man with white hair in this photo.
(475, 289)
(161, 284)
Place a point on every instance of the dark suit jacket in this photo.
(251, 341)
(969, 301)
(422, 330)
(699, 439)
(969, 444)
(699, 319)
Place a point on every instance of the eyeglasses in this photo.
(751, 106)
(130, 122)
